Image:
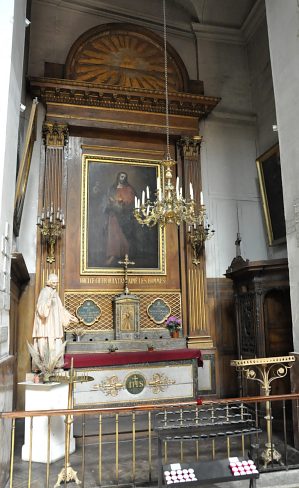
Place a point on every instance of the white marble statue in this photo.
(50, 319)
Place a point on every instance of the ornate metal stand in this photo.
(266, 370)
(68, 473)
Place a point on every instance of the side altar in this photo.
(132, 366)
(126, 335)
(129, 378)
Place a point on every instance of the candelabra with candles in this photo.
(51, 222)
(199, 232)
(170, 206)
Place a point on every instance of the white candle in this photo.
(135, 202)
(138, 203)
(159, 194)
(158, 183)
(201, 198)
(147, 193)
(177, 186)
(191, 191)
(143, 197)
(181, 193)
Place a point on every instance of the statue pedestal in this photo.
(45, 396)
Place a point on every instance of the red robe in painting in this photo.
(120, 208)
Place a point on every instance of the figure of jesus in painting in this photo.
(119, 219)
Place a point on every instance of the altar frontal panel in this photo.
(138, 384)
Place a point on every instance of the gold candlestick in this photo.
(266, 370)
(67, 473)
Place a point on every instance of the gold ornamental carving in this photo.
(109, 386)
(117, 55)
(160, 382)
(73, 299)
(55, 134)
(190, 146)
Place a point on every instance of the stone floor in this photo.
(284, 479)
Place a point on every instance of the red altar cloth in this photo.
(134, 357)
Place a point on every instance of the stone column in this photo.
(283, 30)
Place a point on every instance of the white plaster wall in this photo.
(228, 155)
(264, 104)
(230, 192)
(283, 29)
(224, 69)
(12, 21)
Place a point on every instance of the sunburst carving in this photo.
(122, 58)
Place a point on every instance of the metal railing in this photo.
(117, 446)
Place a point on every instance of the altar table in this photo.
(137, 377)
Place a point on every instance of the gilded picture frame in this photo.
(269, 175)
(109, 229)
(24, 168)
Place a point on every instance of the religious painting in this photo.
(109, 229)
(269, 173)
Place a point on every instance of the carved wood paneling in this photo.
(73, 299)
(222, 325)
(263, 312)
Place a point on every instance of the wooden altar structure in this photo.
(98, 126)
(128, 378)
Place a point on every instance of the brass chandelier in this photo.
(169, 206)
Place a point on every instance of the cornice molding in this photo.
(108, 13)
(214, 33)
(88, 94)
(254, 19)
(221, 116)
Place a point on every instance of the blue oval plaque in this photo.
(88, 312)
(158, 311)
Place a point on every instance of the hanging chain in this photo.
(166, 82)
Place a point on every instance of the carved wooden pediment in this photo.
(121, 67)
(124, 55)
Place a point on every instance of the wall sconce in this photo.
(51, 224)
(199, 232)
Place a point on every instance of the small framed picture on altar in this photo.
(269, 174)
(109, 229)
